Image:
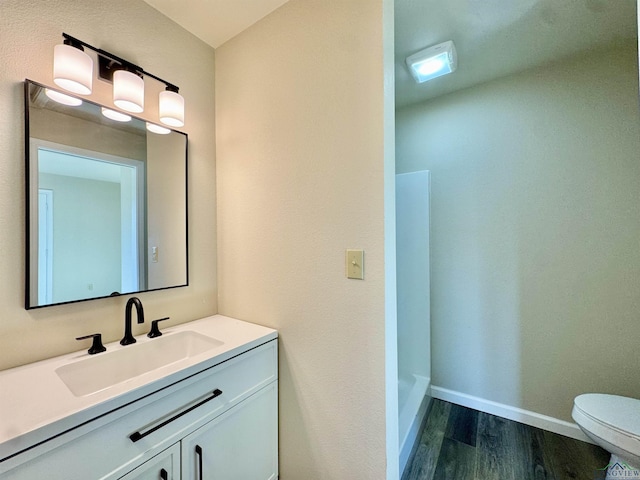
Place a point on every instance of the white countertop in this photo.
(36, 405)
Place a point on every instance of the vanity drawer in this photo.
(109, 447)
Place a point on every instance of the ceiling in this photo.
(216, 21)
(493, 38)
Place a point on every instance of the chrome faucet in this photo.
(128, 337)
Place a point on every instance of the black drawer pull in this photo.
(199, 453)
(164, 475)
(134, 437)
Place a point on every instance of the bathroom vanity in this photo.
(199, 402)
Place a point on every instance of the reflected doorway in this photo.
(90, 224)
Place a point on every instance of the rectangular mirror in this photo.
(106, 202)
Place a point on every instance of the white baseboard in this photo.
(527, 417)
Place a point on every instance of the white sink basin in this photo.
(104, 370)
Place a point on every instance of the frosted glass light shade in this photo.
(433, 62)
(152, 127)
(62, 98)
(171, 108)
(72, 69)
(128, 91)
(117, 116)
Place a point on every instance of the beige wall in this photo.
(535, 230)
(64, 129)
(166, 210)
(301, 156)
(133, 30)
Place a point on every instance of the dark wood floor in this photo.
(458, 443)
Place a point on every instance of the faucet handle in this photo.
(155, 331)
(97, 346)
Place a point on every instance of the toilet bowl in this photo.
(613, 422)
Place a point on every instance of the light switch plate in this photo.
(355, 264)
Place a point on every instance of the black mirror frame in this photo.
(27, 278)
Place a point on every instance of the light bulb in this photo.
(433, 62)
(430, 66)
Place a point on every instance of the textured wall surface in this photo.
(137, 32)
(535, 227)
(301, 159)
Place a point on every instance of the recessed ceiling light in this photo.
(433, 62)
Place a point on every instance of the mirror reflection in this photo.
(107, 201)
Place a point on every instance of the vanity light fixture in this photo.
(152, 127)
(171, 108)
(71, 65)
(128, 91)
(433, 62)
(62, 98)
(117, 116)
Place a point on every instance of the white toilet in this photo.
(613, 422)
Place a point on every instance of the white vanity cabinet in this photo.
(238, 445)
(164, 466)
(228, 410)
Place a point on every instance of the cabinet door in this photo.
(240, 444)
(164, 466)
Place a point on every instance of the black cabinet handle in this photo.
(164, 475)
(199, 454)
(134, 437)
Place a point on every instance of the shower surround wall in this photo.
(414, 322)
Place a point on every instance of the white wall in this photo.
(535, 231)
(86, 236)
(135, 31)
(300, 110)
